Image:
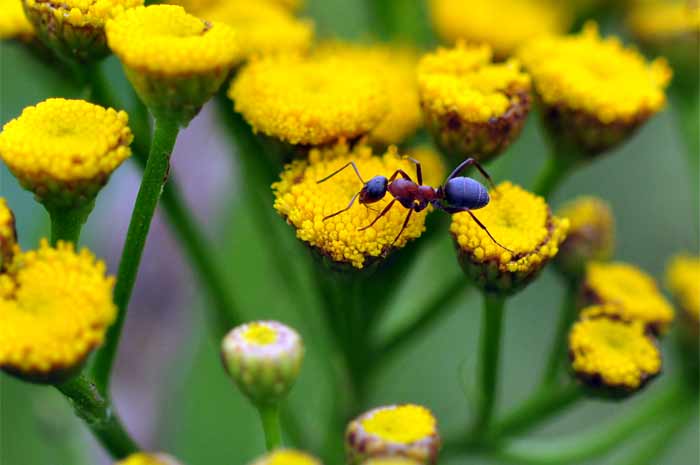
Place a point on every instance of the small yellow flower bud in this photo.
(287, 457)
(148, 459)
(13, 22)
(683, 280)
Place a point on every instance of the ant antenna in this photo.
(354, 167)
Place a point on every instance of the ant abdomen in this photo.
(465, 192)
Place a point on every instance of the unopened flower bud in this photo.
(287, 457)
(142, 458)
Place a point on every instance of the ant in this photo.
(457, 194)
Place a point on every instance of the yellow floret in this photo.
(519, 220)
(84, 12)
(586, 213)
(310, 101)
(260, 334)
(660, 19)
(464, 81)
(403, 424)
(683, 279)
(63, 141)
(262, 27)
(13, 21)
(503, 24)
(8, 234)
(618, 353)
(55, 308)
(631, 293)
(164, 40)
(304, 204)
(599, 77)
(287, 457)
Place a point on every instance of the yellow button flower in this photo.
(631, 293)
(262, 27)
(521, 222)
(591, 234)
(472, 106)
(304, 204)
(174, 60)
(408, 431)
(13, 22)
(503, 24)
(8, 234)
(74, 29)
(148, 459)
(287, 457)
(612, 354)
(683, 280)
(595, 91)
(55, 307)
(65, 150)
(310, 101)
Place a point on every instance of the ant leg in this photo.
(481, 225)
(466, 163)
(344, 209)
(351, 163)
(405, 223)
(384, 212)
(403, 175)
(419, 170)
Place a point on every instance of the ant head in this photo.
(465, 192)
(374, 190)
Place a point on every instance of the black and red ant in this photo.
(457, 194)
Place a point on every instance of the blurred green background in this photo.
(170, 387)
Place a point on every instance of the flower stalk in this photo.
(558, 168)
(68, 222)
(270, 418)
(558, 350)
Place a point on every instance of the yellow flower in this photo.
(287, 457)
(408, 431)
(13, 21)
(503, 24)
(174, 60)
(632, 294)
(74, 29)
(8, 234)
(55, 307)
(520, 221)
(616, 354)
(262, 27)
(594, 90)
(310, 101)
(304, 203)
(472, 106)
(148, 459)
(65, 150)
(591, 234)
(683, 279)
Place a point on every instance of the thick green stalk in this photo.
(489, 355)
(558, 167)
(558, 352)
(95, 409)
(67, 223)
(270, 418)
(154, 177)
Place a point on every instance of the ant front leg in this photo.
(402, 173)
(354, 167)
(405, 223)
(465, 164)
(419, 170)
(344, 209)
(384, 212)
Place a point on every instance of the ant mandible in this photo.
(457, 194)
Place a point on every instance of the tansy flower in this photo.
(55, 306)
(612, 354)
(503, 24)
(594, 91)
(13, 21)
(631, 293)
(74, 29)
(8, 234)
(304, 204)
(174, 60)
(521, 222)
(683, 280)
(264, 359)
(408, 431)
(148, 459)
(591, 234)
(65, 150)
(310, 101)
(287, 457)
(262, 27)
(472, 106)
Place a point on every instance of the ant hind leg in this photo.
(384, 212)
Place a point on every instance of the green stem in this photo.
(98, 414)
(558, 351)
(67, 223)
(154, 177)
(270, 418)
(402, 20)
(558, 167)
(581, 447)
(489, 355)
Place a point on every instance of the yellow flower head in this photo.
(472, 106)
(591, 234)
(683, 280)
(631, 294)
(55, 307)
(503, 24)
(75, 29)
(594, 90)
(611, 353)
(8, 234)
(13, 21)
(148, 459)
(408, 431)
(287, 457)
(262, 27)
(310, 101)
(520, 221)
(174, 60)
(65, 150)
(304, 204)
